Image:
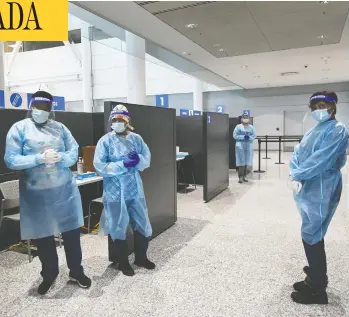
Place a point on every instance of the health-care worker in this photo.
(119, 157)
(50, 203)
(244, 134)
(317, 183)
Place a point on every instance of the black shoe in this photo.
(126, 269)
(149, 265)
(83, 281)
(299, 286)
(309, 298)
(46, 286)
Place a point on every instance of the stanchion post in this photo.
(266, 149)
(279, 152)
(259, 157)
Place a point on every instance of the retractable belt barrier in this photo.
(273, 139)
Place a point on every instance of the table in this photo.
(89, 180)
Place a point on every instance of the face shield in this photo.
(119, 119)
(41, 110)
(322, 107)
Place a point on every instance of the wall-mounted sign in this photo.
(162, 101)
(208, 118)
(14, 100)
(2, 99)
(220, 108)
(197, 113)
(184, 112)
(58, 102)
(247, 113)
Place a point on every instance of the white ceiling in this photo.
(325, 63)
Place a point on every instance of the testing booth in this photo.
(206, 138)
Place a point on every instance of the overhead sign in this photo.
(220, 108)
(162, 101)
(58, 102)
(24, 20)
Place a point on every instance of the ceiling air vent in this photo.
(289, 73)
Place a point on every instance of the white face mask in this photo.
(118, 127)
(40, 116)
(245, 120)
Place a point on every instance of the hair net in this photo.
(121, 112)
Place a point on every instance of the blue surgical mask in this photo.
(118, 127)
(40, 116)
(321, 115)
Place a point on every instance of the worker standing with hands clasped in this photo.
(119, 157)
(317, 182)
(244, 134)
(50, 203)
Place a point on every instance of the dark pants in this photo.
(316, 257)
(49, 259)
(242, 170)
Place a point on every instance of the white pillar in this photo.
(2, 66)
(135, 49)
(197, 95)
(86, 61)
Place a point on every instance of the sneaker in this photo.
(147, 264)
(240, 181)
(83, 281)
(245, 180)
(46, 286)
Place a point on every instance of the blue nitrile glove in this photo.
(133, 156)
(130, 163)
(247, 138)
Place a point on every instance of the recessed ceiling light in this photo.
(191, 26)
(221, 50)
(186, 53)
(321, 37)
(244, 66)
(216, 45)
(324, 2)
(289, 73)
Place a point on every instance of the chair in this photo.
(187, 168)
(10, 193)
(98, 201)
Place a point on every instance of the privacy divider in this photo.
(216, 151)
(157, 127)
(190, 138)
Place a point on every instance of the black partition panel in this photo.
(157, 126)
(189, 131)
(216, 149)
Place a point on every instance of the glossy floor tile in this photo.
(235, 256)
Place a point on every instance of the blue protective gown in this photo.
(244, 148)
(50, 201)
(317, 162)
(123, 196)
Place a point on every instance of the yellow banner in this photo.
(36, 20)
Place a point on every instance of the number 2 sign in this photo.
(220, 108)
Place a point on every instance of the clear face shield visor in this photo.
(41, 110)
(117, 116)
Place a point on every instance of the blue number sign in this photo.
(162, 101)
(220, 108)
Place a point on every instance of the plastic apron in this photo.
(316, 162)
(123, 195)
(243, 148)
(50, 201)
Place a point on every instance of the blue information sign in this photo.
(2, 99)
(184, 112)
(16, 100)
(247, 113)
(197, 113)
(220, 108)
(209, 118)
(162, 101)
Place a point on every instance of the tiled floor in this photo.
(235, 256)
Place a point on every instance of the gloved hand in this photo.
(131, 162)
(297, 187)
(51, 157)
(247, 138)
(133, 156)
